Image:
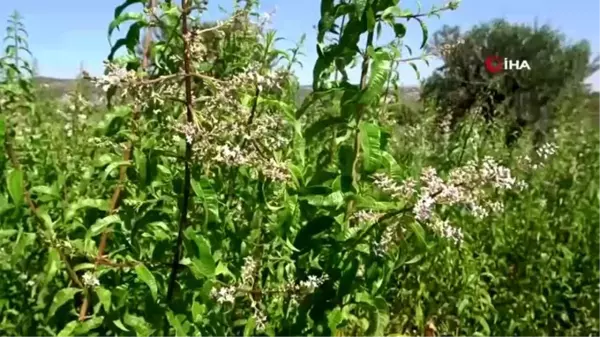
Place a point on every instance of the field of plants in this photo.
(187, 192)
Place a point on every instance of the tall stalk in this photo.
(114, 200)
(183, 220)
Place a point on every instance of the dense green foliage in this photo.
(200, 199)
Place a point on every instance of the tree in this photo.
(522, 97)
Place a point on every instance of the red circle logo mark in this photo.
(493, 64)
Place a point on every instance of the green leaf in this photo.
(52, 265)
(145, 275)
(123, 17)
(103, 223)
(69, 329)
(418, 230)
(16, 187)
(484, 325)
(6, 233)
(110, 168)
(179, 330)
(380, 70)
(61, 297)
(120, 325)
(414, 259)
(400, 30)
(320, 126)
(210, 203)
(249, 327)
(141, 163)
(46, 190)
(86, 326)
(100, 204)
(119, 9)
(370, 138)
(105, 297)
(141, 327)
(424, 30)
(335, 199)
(203, 265)
(2, 129)
(198, 311)
(25, 240)
(414, 66)
(334, 318)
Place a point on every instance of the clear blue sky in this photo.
(65, 33)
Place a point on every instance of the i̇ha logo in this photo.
(496, 64)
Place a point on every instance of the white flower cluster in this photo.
(115, 76)
(90, 280)
(223, 295)
(465, 185)
(234, 134)
(228, 294)
(546, 150)
(190, 131)
(366, 216)
(543, 153)
(313, 282)
(389, 186)
(446, 123)
(249, 270)
(444, 229)
(385, 243)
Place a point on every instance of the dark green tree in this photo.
(521, 97)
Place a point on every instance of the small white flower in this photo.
(248, 270)
(424, 208)
(225, 294)
(90, 280)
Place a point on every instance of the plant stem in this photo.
(114, 200)
(359, 114)
(188, 156)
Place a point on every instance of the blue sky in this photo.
(63, 34)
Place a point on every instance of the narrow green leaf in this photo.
(141, 327)
(119, 324)
(400, 30)
(210, 203)
(145, 275)
(418, 230)
(334, 318)
(110, 168)
(69, 329)
(424, 30)
(249, 327)
(179, 331)
(16, 187)
(103, 223)
(105, 297)
(123, 17)
(61, 297)
(370, 138)
(6, 233)
(25, 240)
(86, 326)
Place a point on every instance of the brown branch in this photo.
(179, 75)
(114, 201)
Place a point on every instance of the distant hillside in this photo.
(410, 94)
(58, 87)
